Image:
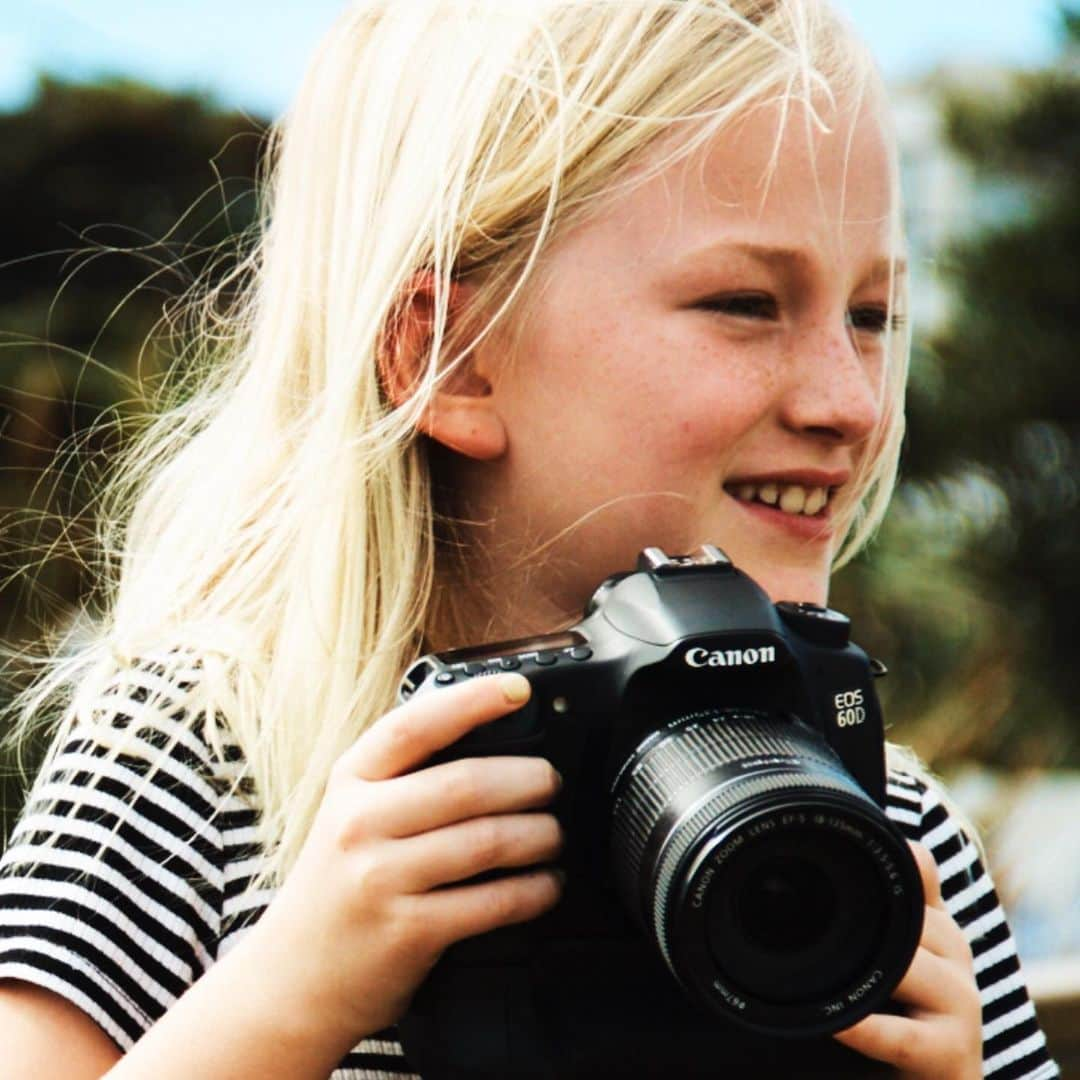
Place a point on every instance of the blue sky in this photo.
(249, 53)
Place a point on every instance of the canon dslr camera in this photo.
(731, 874)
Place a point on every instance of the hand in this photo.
(370, 904)
(941, 1036)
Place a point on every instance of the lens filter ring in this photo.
(775, 889)
(798, 919)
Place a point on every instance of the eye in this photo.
(873, 319)
(743, 305)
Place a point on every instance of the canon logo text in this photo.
(698, 657)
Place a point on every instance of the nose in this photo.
(836, 385)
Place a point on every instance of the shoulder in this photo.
(1014, 1046)
(149, 716)
(138, 759)
(923, 811)
(113, 887)
(904, 795)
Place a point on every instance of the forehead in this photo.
(774, 175)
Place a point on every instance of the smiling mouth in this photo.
(794, 499)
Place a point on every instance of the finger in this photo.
(943, 937)
(884, 1037)
(462, 911)
(928, 872)
(408, 735)
(458, 790)
(505, 841)
(931, 982)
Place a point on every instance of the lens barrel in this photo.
(775, 889)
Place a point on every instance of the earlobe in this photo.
(461, 414)
(468, 425)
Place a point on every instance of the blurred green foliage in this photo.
(977, 573)
(114, 196)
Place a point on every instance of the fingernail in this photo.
(516, 689)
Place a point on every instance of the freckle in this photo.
(685, 425)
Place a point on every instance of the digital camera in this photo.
(735, 892)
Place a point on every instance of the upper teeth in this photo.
(791, 498)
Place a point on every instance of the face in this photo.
(704, 363)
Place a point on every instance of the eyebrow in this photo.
(879, 269)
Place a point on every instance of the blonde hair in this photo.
(275, 518)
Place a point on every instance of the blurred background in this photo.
(129, 134)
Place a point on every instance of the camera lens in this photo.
(775, 890)
(786, 905)
(798, 917)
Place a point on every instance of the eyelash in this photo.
(760, 306)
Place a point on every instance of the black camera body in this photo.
(735, 892)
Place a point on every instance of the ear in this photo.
(462, 413)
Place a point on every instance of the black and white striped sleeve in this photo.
(111, 888)
(1014, 1047)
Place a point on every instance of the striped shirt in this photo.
(140, 880)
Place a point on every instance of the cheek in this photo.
(703, 412)
(643, 392)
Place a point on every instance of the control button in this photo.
(579, 652)
(545, 658)
(444, 678)
(509, 663)
(476, 668)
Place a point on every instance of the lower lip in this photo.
(811, 529)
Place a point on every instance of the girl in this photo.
(539, 284)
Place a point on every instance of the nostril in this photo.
(825, 431)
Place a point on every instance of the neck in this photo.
(480, 597)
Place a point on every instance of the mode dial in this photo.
(818, 624)
(602, 590)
